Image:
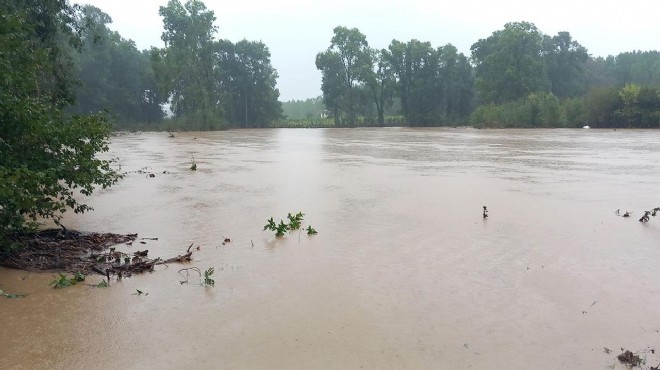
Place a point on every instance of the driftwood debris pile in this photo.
(73, 251)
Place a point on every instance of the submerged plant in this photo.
(79, 277)
(295, 223)
(208, 281)
(193, 165)
(270, 225)
(10, 295)
(62, 282)
(654, 211)
(281, 229)
(295, 220)
(102, 284)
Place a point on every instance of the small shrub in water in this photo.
(208, 280)
(281, 229)
(295, 223)
(62, 282)
(270, 225)
(10, 295)
(295, 220)
(102, 284)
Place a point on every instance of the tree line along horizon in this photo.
(516, 77)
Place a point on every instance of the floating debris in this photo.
(83, 253)
(629, 358)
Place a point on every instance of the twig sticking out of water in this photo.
(485, 212)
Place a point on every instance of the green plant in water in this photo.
(281, 229)
(193, 166)
(102, 284)
(208, 280)
(311, 231)
(295, 223)
(79, 277)
(270, 225)
(62, 282)
(295, 220)
(9, 295)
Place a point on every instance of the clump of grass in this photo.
(311, 231)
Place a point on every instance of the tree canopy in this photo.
(46, 155)
(211, 83)
(114, 75)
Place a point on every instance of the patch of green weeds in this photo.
(311, 231)
(208, 280)
(63, 281)
(295, 223)
(10, 295)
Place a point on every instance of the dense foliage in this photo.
(46, 156)
(517, 77)
(309, 108)
(114, 75)
(432, 85)
(211, 83)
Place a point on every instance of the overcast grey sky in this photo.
(296, 30)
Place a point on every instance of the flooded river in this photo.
(403, 274)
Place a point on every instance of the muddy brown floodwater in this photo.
(404, 273)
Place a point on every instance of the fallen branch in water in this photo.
(138, 264)
(78, 252)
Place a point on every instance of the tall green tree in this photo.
(46, 156)
(186, 66)
(629, 96)
(332, 86)
(380, 82)
(456, 81)
(565, 61)
(415, 67)
(114, 74)
(248, 83)
(509, 63)
(350, 49)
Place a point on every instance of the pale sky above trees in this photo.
(296, 30)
